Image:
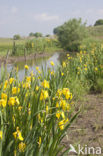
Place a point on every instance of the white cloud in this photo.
(46, 17)
(14, 9)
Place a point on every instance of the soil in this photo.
(88, 127)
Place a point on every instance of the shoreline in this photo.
(14, 59)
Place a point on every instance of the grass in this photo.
(7, 44)
(96, 31)
(27, 46)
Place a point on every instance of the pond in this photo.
(43, 62)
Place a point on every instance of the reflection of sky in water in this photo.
(44, 63)
(9, 67)
(40, 62)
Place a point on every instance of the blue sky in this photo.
(25, 16)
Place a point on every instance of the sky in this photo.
(25, 16)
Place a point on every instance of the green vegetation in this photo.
(96, 31)
(28, 46)
(16, 37)
(89, 65)
(45, 107)
(36, 45)
(37, 34)
(70, 34)
(99, 22)
(48, 35)
(6, 44)
(46, 102)
(31, 34)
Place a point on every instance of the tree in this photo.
(38, 34)
(71, 33)
(99, 22)
(31, 34)
(56, 30)
(16, 37)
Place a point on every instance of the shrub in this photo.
(99, 22)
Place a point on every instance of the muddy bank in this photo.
(14, 59)
(88, 127)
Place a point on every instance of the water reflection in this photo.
(43, 62)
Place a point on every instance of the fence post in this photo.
(14, 48)
(7, 55)
(25, 54)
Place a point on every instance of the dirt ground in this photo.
(88, 127)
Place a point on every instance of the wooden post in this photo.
(14, 48)
(25, 54)
(34, 55)
(7, 55)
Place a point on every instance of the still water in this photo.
(43, 62)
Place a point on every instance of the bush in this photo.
(71, 33)
(99, 22)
